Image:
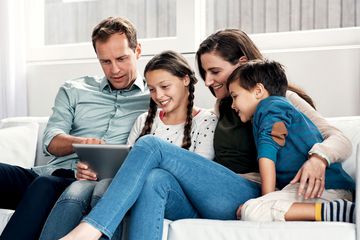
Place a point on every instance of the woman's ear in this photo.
(243, 60)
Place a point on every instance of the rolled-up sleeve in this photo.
(61, 120)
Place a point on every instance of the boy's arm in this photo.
(268, 175)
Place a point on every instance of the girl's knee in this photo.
(158, 177)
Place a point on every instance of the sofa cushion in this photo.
(40, 158)
(19, 145)
(350, 126)
(194, 229)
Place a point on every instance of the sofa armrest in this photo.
(357, 189)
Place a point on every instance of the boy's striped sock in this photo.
(339, 210)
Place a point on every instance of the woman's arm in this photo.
(336, 147)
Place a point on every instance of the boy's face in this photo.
(244, 101)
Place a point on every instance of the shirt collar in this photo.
(138, 83)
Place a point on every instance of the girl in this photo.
(201, 184)
(172, 116)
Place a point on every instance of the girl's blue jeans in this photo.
(203, 188)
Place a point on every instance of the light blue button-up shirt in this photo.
(88, 107)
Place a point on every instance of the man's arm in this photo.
(61, 144)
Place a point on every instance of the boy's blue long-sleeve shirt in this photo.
(285, 135)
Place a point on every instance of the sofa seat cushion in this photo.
(194, 229)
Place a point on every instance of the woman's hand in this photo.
(83, 172)
(312, 177)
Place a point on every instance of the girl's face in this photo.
(169, 92)
(217, 70)
(244, 101)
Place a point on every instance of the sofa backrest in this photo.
(349, 125)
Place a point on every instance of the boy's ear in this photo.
(260, 91)
(243, 60)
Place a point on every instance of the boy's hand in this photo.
(84, 172)
(238, 212)
(312, 177)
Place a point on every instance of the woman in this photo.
(198, 183)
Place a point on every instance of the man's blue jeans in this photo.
(75, 203)
(213, 190)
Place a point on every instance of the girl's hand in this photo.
(312, 177)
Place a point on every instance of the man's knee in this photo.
(79, 191)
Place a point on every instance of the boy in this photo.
(283, 137)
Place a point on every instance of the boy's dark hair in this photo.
(113, 25)
(176, 65)
(271, 74)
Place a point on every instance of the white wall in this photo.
(330, 75)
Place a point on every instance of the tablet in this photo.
(104, 159)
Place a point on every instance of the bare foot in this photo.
(83, 231)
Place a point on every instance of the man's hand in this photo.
(84, 172)
(312, 177)
(91, 141)
(61, 145)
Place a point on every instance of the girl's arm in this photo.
(136, 129)
(203, 134)
(268, 175)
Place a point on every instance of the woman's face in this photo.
(217, 70)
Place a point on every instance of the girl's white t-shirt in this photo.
(202, 132)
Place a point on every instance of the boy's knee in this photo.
(255, 210)
(265, 210)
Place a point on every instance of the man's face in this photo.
(118, 60)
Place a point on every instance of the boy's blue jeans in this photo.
(203, 187)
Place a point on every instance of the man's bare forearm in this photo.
(61, 144)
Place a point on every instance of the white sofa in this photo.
(14, 129)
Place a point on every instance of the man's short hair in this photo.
(113, 25)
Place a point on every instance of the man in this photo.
(87, 110)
